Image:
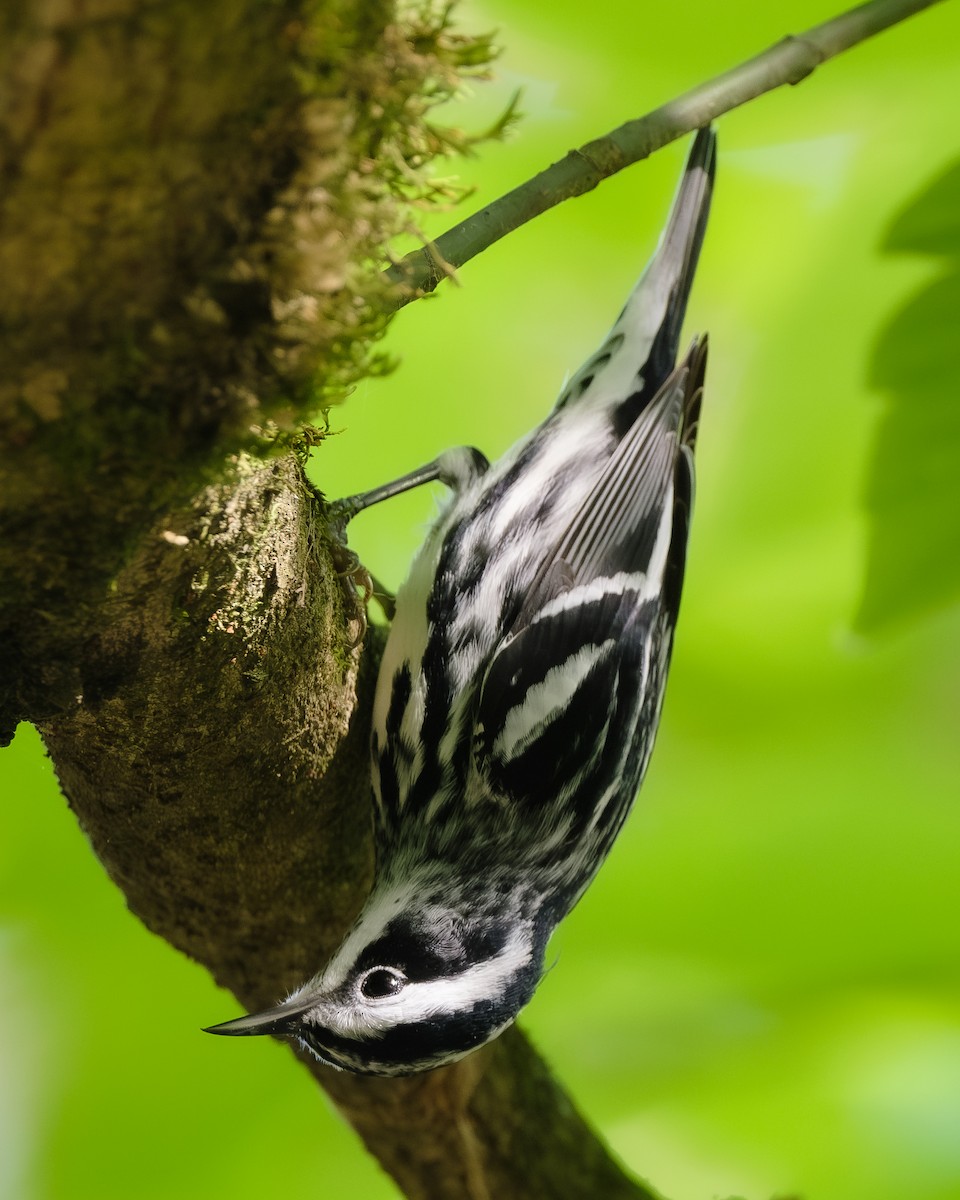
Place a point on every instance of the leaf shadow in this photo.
(913, 483)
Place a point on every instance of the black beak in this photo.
(279, 1021)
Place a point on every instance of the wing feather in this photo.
(631, 506)
(576, 657)
(552, 692)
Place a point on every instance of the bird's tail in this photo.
(675, 261)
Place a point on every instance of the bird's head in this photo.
(412, 987)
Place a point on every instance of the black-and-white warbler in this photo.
(520, 690)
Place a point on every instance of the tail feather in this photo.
(640, 351)
(679, 250)
(657, 306)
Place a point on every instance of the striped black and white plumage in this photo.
(520, 691)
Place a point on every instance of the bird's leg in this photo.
(457, 468)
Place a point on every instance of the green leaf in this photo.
(913, 488)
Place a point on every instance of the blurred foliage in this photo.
(759, 995)
(914, 548)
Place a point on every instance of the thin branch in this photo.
(789, 61)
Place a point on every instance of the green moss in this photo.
(227, 176)
(230, 174)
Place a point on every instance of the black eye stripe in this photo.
(412, 953)
(434, 951)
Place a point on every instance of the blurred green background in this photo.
(759, 994)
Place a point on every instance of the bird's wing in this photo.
(575, 663)
(556, 692)
(636, 518)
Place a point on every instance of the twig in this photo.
(789, 61)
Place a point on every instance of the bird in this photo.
(520, 689)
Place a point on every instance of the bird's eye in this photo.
(381, 982)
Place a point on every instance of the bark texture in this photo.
(192, 199)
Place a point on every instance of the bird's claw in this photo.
(356, 585)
